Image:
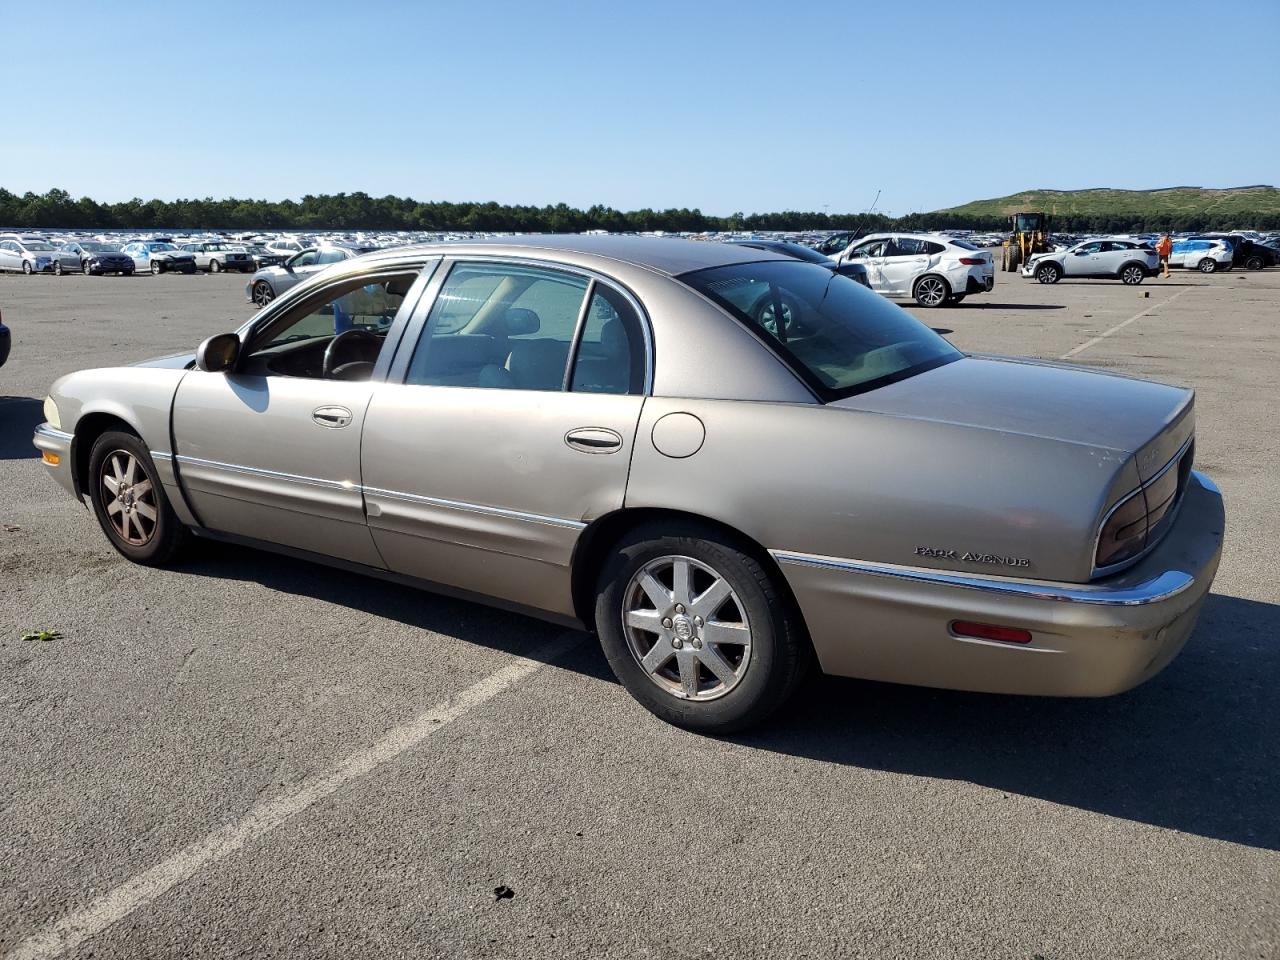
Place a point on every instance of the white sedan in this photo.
(933, 270)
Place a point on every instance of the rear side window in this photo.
(963, 244)
(610, 354)
(500, 326)
(933, 249)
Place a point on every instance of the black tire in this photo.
(1048, 273)
(157, 267)
(931, 290)
(776, 661)
(26, 267)
(1254, 263)
(1132, 274)
(57, 268)
(166, 535)
(262, 293)
(215, 266)
(1207, 265)
(189, 270)
(126, 273)
(956, 299)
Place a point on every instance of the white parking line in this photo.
(72, 930)
(1120, 326)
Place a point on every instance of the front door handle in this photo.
(594, 440)
(331, 416)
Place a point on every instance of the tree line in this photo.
(359, 211)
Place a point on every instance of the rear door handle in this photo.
(594, 440)
(331, 416)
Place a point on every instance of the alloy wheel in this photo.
(262, 293)
(931, 291)
(156, 267)
(129, 498)
(57, 268)
(1132, 275)
(686, 628)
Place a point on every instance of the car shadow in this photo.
(1195, 749)
(942, 331)
(19, 417)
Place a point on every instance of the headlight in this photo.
(51, 413)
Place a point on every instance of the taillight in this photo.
(989, 631)
(1124, 534)
(972, 261)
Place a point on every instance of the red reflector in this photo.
(971, 261)
(987, 631)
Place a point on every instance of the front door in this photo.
(1083, 261)
(271, 451)
(870, 253)
(9, 256)
(510, 429)
(905, 259)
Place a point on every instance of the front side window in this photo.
(872, 248)
(307, 259)
(837, 335)
(336, 334)
(500, 326)
(332, 255)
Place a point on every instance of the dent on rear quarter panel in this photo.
(851, 484)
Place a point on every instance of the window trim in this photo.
(417, 322)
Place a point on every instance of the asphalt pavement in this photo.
(247, 755)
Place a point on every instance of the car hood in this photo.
(1051, 401)
(177, 361)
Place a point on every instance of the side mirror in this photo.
(218, 354)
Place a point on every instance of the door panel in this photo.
(479, 489)
(899, 273)
(254, 462)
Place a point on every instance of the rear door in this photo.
(905, 259)
(509, 428)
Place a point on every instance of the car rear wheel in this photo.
(26, 267)
(1048, 273)
(215, 266)
(1208, 265)
(931, 291)
(262, 293)
(696, 629)
(1254, 263)
(1132, 274)
(129, 500)
(156, 267)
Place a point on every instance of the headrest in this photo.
(399, 286)
(521, 321)
(613, 337)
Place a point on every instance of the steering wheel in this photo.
(361, 345)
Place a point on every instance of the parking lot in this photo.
(248, 755)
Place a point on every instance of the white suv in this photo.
(934, 270)
(1207, 256)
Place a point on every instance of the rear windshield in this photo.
(836, 334)
(963, 244)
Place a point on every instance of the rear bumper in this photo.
(980, 284)
(892, 623)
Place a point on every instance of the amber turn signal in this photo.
(50, 458)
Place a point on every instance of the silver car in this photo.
(613, 432)
(1125, 260)
(23, 254)
(269, 282)
(160, 256)
(217, 255)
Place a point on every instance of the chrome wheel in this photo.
(767, 315)
(57, 268)
(1132, 275)
(262, 293)
(26, 267)
(214, 266)
(1208, 266)
(129, 498)
(156, 267)
(686, 628)
(931, 291)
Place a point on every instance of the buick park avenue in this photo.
(728, 464)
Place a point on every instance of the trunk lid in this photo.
(1150, 421)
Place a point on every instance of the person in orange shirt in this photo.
(1164, 247)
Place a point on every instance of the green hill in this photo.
(1243, 205)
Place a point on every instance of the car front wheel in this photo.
(1048, 273)
(156, 267)
(696, 629)
(26, 267)
(129, 501)
(57, 268)
(215, 266)
(262, 293)
(1132, 275)
(1208, 265)
(931, 291)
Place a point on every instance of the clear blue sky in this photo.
(726, 106)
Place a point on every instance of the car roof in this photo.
(666, 255)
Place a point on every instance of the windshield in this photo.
(163, 246)
(37, 245)
(100, 247)
(836, 334)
